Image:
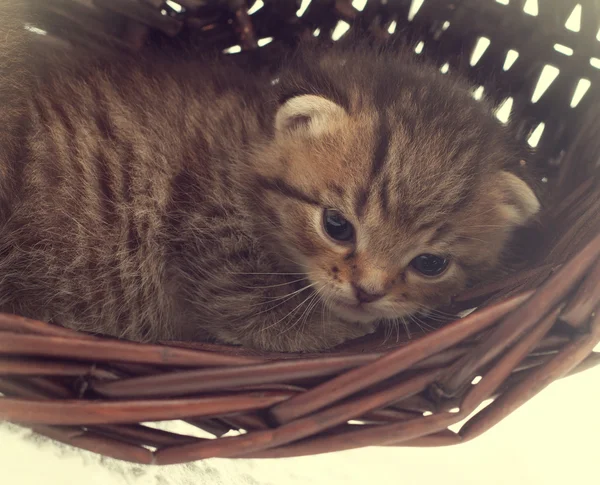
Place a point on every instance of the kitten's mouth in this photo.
(363, 313)
(356, 312)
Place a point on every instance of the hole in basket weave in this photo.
(419, 47)
(445, 68)
(316, 32)
(536, 135)
(563, 49)
(503, 2)
(598, 35)
(303, 6)
(340, 29)
(503, 111)
(595, 62)
(415, 6)
(547, 77)
(35, 30)
(457, 426)
(427, 413)
(573, 23)
(359, 4)
(477, 380)
(582, 87)
(174, 6)
(392, 27)
(441, 30)
(478, 93)
(466, 313)
(482, 44)
(596, 348)
(233, 49)
(531, 8)
(256, 7)
(264, 41)
(511, 57)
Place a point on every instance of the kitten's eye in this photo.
(429, 264)
(336, 226)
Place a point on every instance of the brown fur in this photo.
(154, 199)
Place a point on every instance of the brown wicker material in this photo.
(538, 325)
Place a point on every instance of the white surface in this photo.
(551, 440)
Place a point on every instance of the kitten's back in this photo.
(93, 154)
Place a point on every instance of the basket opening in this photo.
(340, 29)
(415, 6)
(256, 7)
(582, 88)
(303, 7)
(504, 110)
(482, 45)
(511, 57)
(573, 23)
(547, 77)
(531, 8)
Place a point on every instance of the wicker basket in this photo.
(537, 326)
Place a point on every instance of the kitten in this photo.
(155, 198)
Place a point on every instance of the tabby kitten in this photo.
(156, 198)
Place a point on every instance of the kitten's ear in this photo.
(519, 202)
(308, 114)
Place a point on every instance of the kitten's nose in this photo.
(364, 296)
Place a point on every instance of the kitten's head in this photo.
(391, 196)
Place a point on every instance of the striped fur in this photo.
(152, 198)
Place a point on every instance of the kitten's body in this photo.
(157, 199)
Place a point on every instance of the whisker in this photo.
(275, 286)
(490, 226)
(421, 324)
(326, 313)
(435, 311)
(285, 298)
(296, 263)
(290, 313)
(308, 298)
(272, 274)
(388, 323)
(406, 328)
(307, 313)
(473, 239)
